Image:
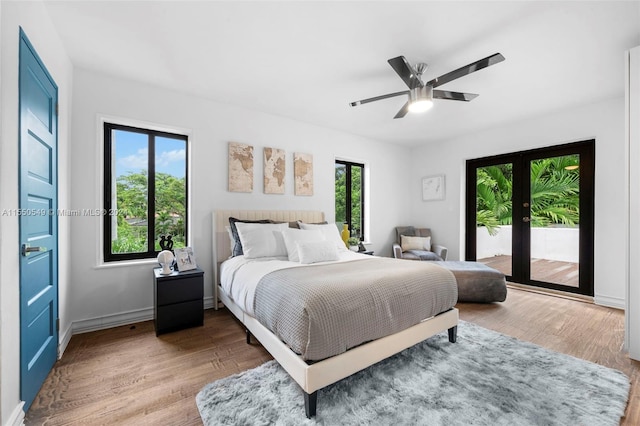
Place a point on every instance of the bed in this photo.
(311, 364)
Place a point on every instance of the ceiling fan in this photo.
(421, 94)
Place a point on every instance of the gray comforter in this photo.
(324, 310)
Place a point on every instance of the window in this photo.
(350, 196)
(145, 192)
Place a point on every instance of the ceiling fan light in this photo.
(420, 106)
(420, 99)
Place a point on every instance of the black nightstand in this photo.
(178, 300)
(369, 252)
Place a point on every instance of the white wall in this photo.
(562, 244)
(108, 295)
(603, 122)
(632, 112)
(34, 19)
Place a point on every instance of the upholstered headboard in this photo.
(221, 241)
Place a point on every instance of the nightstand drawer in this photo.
(179, 290)
(179, 316)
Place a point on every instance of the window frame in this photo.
(348, 201)
(107, 127)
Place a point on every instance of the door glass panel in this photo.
(555, 219)
(494, 215)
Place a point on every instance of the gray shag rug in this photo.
(486, 378)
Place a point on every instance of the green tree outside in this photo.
(170, 203)
(356, 197)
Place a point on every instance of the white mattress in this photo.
(239, 276)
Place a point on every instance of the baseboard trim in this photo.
(17, 416)
(208, 302)
(114, 320)
(65, 338)
(610, 302)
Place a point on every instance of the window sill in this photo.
(126, 263)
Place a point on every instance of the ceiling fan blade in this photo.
(466, 70)
(403, 111)
(405, 71)
(454, 96)
(378, 98)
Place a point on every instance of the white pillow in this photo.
(292, 236)
(262, 239)
(317, 251)
(232, 243)
(329, 231)
(415, 243)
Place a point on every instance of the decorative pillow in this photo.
(415, 243)
(262, 239)
(409, 231)
(237, 245)
(329, 231)
(317, 251)
(294, 236)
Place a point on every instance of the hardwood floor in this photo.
(128, 376)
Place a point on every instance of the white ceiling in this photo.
(307, 60)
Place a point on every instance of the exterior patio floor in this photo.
(553, 271)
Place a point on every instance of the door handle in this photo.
(526, 219)
(27, 249)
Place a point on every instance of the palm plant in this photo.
(555, 193)
(493, 199)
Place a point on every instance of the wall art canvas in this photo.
(433, 188)
(240, 167)
(274, 171)
(303, 173)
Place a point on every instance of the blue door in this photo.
(38, 222)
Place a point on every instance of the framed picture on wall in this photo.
(433, 188)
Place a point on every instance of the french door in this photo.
(530, 215)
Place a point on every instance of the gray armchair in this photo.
(437, 252)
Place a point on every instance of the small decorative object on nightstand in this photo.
(178, 300)
(344, 234)
(185, 259)
(165, 259)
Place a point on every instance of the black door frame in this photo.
(521, 231)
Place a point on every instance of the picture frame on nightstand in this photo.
(185, 259)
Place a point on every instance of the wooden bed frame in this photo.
(315, 376)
